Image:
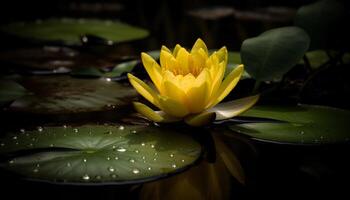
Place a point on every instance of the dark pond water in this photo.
(78, 83)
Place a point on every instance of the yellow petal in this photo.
(199, 44)
(153, 69)
(200, 119)
(144, 89)
(164, 59)
(176, 50)
(227, 85)
(233, 108)
(217, 72)
(156, 116)
(172, 90)
(183, 58)
(147, 112)
(165, 49)
(198, 94)
(172, 107)
(222, 54)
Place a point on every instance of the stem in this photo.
(307, 63)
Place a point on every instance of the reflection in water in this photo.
(204, 181)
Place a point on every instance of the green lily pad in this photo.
(303, 124)
(10, 90)
(121, 68)
(69, 31)
(65, 95)
(274, 52)
(98, 154)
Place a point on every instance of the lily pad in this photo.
(98, 154)
(65, 95)
(10, 90)
(69, 31)
(303, 124)
(121, 68)
(274, 52)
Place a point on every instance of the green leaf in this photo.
(317, 58)
(321, 20)
(100, 154)
(69, 31)
(122, 68)
(65, 95)
(10, 91)
(303, 124)
(274, 52)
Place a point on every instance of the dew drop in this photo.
(2, 144)
(64, 126)
(110, 132)
(86, 177)
(156, 154)
(143, 144)
(35, 170)
(22, 130)
(302, 132)
(11, 161)
(68, 164)
(154, 159)
(152, 146)
(135, 171)
(75, 130)
(116, 158)
(137, 151)
(143, 157)
(133, 131)
(121, 149)
(51, 145)
(121, 128)
(132, 160)
(114, 176)
(98, 177)
(30, 145)
(173, 165)
(171, 155)
(108, 158)
(40, 129)
(84, 160)
(111, 169)
(149, 168)
(14, 137)
(108, 79)
(182, 160)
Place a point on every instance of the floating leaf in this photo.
(303, 124)
(100, 154)
(122, 68)
(10, 91)
(69, 31)
(64, 95)
(321, 20)
(274, 52)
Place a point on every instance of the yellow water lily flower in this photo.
(189, 85)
